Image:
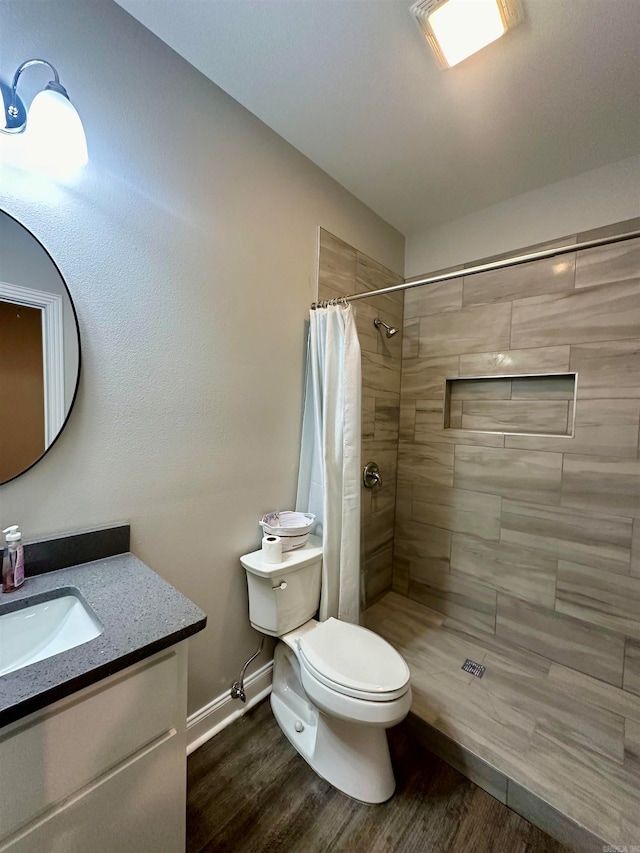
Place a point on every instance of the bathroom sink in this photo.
(44, 628)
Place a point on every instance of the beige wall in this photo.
(189, 246)
(590, 200)
(343, 270)
(534, 539)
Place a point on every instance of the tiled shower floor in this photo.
(569, 739)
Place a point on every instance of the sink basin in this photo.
(44, 628)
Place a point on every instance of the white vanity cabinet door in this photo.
(104, 769)
(139, 810)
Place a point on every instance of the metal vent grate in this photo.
(474, 668)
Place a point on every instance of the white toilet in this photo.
(336, 686)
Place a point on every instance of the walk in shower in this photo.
(504, 417)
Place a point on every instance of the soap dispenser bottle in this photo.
(12, 560)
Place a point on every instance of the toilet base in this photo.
(353, 757)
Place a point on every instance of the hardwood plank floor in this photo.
(250, 792)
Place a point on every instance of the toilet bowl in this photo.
(337, 687)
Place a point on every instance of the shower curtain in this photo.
(329, 474)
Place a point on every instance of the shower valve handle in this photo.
(371, 476)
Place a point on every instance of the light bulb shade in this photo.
(55, 135)
(463, 27)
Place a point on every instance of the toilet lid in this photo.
(354, 657)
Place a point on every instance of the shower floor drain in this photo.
(474, 668)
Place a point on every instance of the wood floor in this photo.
(571, 740)
(250, 792)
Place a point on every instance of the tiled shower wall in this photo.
(533, 538)
(343, 270)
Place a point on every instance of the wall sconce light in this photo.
(53, 132)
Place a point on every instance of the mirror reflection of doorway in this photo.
(22, 404)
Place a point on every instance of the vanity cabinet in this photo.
(103, 770)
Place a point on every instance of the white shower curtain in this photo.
(329, 475)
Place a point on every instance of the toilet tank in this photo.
(283, 596)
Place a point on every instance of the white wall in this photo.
(596, 198)
(189, 247)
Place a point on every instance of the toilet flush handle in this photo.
(282, 585)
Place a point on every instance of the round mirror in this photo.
(39, 350)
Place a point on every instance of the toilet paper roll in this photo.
(272, 549)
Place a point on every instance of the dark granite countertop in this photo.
(140, 613)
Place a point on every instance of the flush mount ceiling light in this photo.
(455, 29)
(53, 131)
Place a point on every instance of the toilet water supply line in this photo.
(237, 688)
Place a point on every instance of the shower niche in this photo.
(538, 404)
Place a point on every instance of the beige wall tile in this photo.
(610, 485)
(561, 387)
(610, 230)
(559, 242)
(370, 275)
(407, 423)
(371, 338)
(470, 604)
(368, 335)
(635, 550)
(576, 535)
(374, 276)
(385, 454)
(607, 369)
(368, 416)
(606, 313)
(386, 421)
(510, 473)
(602, 428)
(457, 510)
(455, 415)
(480, 389)
(600, 598)
(470, 330)
(342, 270)
(378, 574)
(433, 299)
(404, 498)
(377, 534)
(632, 667)
(410, 338)
(606, 264)
(424, 378)
(561, 638)
(337, 266)
(427, 547)
(400, 580)
(426, 463)
(550, 275)
(384, 498)
(505, 568)
(365, 505)
(381, 376)
(509, 416)
(429, 417)
(506, 362)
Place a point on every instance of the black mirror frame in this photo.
(75, 317)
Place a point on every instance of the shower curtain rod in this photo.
(513, 261)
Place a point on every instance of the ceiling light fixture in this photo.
(455, 29)
(53, 131)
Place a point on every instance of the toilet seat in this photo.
(353, 661)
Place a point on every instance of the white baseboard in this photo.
(218, 714)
